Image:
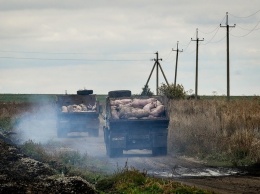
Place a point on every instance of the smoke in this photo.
(38, 124)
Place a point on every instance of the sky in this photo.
(58, 46)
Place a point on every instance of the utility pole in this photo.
(228, 78)
(177, 52)
(197, 51)
(158, 65)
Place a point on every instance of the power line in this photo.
(212, 37)
(76, 53)
(245, 16)
(47, 59)
(187, 46)
(246, 28)
(248, 32)
(214, 29)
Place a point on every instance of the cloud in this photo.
(100, 30)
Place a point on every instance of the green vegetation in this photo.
(66, 161)
(146, 91)
(133, 181)
(172, 92)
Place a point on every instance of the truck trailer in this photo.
(135, 122)
(78, 113)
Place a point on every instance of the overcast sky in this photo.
(49, 46)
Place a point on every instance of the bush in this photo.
(146, 91)
(172, 92)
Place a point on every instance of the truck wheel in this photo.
(119, 93)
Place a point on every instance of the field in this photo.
(223, 132)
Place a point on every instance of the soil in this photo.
(21, 174)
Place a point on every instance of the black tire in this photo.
(84, 92)
(119, 93)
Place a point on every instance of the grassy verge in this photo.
(66, 161)
(216, 130)
(133, 181)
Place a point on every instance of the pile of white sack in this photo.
(136, 108)
(78, 108)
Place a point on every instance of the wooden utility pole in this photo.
(197, 51)
(177, 52)
(228, 73)
(158, 65)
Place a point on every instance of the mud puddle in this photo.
(183, 172)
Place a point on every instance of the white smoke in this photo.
(38, 125)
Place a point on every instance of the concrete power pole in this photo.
(228, 73)
(177, 52)
(197, 51)
(158, 65)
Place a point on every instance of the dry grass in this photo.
(208, 127)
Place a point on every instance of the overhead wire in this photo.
(253, 29)
(244, 16)
(246, 28)
(68, 59)
(214, 29)
(212, 37)
(74, 53)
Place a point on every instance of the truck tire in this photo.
(119, 93)
(84, 92)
